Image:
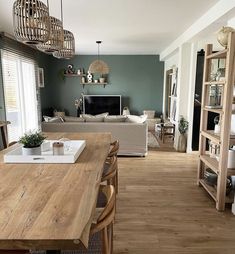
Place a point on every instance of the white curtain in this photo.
(20, 94)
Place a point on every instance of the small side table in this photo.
(3, 127)
(165, 130)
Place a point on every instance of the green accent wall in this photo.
(138, 78)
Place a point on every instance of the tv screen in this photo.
(97, 104)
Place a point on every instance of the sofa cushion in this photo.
(136, 119)
(55, 119)
(94, 118)
(73, 119)
(116, 119)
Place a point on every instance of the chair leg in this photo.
(117, 181)
(114, 182)
(105, 241)
(111, 238)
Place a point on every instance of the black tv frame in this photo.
(94, 113)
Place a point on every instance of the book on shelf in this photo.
(173, 111)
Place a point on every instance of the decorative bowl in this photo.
(222, 35)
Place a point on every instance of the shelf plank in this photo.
(210, 190)
(221, 82)
(74, 75)
(93, 83)
(211, 136)
(217, 55)
(214, 110)
(212, 163)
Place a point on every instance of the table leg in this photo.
(4, 138)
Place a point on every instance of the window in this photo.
(20, 94)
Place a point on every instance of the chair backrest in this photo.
(12, 143)
(112, 168)
(108, 213)
(115, 148)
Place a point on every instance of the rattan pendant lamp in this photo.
(31, 21)
(56, 37)
(68, 48)
(98, 66)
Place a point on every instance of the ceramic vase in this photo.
(222, 35)
(182, 143)
(31, 151)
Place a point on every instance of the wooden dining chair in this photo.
(114, 148)
(12, 143)
(110, 171)
(110, 174)
(101, 233)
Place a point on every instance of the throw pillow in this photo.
(117, 119)
(94, 118)
(136, 119)
(55, 119)
(73, 119)
(150, 113)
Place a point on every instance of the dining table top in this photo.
(51, 206)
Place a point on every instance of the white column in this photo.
(191, 94)
(186, 87)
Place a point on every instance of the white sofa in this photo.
(132, 136)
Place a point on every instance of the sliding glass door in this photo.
(20, 94)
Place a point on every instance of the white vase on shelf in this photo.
(126, 111)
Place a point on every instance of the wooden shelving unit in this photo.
(218, 192)
(172, 96)
(75, 75)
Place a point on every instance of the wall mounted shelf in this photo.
(74, 75)
(93, 83)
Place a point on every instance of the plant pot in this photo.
(31, 151)
(182, 143)
(102, 80)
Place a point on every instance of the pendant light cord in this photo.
(98, 52)
(48, 6)
(61, 4)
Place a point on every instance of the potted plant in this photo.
(182, 141)
(31, 143)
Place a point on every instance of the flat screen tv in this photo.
(97, 104)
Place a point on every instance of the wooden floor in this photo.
(161, 210)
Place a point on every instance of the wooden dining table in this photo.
(51, 206)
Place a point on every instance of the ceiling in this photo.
(124, 26)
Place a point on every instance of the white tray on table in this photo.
(72, 150)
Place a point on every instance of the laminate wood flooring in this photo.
(161, 210)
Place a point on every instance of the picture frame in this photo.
(41, 78)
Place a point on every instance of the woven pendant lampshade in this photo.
(31, 21)
(56, 37)
(98, 66)
(68, 49)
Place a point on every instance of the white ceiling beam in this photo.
(216, 12)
